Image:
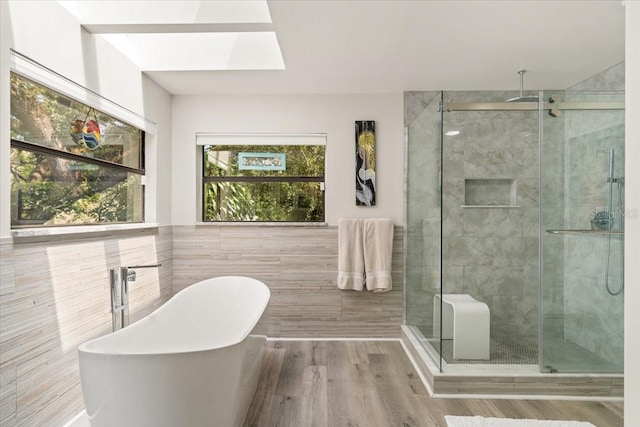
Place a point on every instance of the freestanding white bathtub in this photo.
(195, 361)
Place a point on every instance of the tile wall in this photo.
(299, 264)
(54, 295)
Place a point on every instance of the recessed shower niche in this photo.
(490, 193)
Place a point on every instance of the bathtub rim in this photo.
(83, 347)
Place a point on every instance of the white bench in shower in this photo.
(466, 321)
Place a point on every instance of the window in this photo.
(71, 164)
(276, 178)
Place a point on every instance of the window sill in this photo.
(30, 235)
(262, 224)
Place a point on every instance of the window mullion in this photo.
(29, 146)
(263, 178)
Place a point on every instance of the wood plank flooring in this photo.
(373, 384)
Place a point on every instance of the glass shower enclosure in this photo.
(519, 205)
(582, 236)
(423, 212)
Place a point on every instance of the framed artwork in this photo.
(365, 163)
(262, 161)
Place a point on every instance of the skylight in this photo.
(201, 51)
(136, 12)
(185, 35)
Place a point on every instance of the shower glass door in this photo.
(423, 220)
(490, 221)
(582, 234)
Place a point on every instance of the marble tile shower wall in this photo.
(492, 253)
(593, 318)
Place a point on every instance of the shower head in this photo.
(523, 98)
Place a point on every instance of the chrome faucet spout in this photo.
(143, 266)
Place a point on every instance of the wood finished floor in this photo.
(373, 384)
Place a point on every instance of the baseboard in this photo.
(330, 339)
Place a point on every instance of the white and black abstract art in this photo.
(365, 163)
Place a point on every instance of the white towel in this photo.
(350, 254)
(378, 248)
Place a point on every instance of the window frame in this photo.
(50, 151)
(24, 68)
(219, 139)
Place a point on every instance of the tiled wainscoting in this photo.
(54, 294)
(299, 264)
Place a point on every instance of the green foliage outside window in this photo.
(58, 180)
(234, 194)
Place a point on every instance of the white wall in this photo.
(157, 107)
(6, 40)
(632, 225)
(331, 114)
(48, 34)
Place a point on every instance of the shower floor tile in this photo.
(559, 354)
(504, 351)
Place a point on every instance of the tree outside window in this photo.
(275, 183)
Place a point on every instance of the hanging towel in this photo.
(378, 248)
(350, 254)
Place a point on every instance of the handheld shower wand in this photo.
(611, 180)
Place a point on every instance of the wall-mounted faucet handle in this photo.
(131, 275)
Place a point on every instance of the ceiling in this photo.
(358, 46)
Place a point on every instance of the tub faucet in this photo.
(130, 272)
(116, 298)
(119, 279)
